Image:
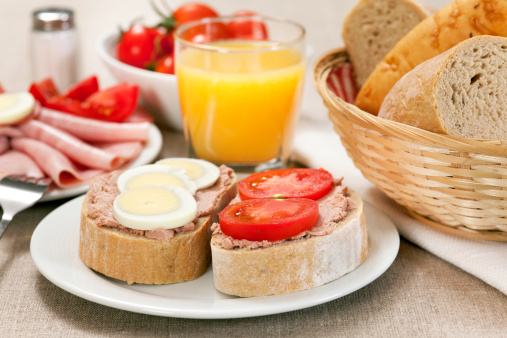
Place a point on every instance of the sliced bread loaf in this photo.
(446, 28)
(374, 27)
(462, 92)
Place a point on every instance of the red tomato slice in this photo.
(268, 219)
(2, 89)
(247, 29)
(113, 104)
(193, 11)
(83, 89)
(66, 105)
(286, 183)
(44, 90)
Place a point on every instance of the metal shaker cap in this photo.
(53, 19)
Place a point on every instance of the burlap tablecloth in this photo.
(419, 295)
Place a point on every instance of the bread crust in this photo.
(422, 99)
(293, 265)
(450, 25)
(373, 28)
(138, 259)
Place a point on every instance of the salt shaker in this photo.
(54, 46)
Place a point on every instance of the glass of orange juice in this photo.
(240, 81)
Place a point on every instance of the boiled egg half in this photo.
(152, 207)
(155, 175)
(203, 173)
(15, 107)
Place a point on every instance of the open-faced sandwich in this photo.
(151, 224)
(287, 230)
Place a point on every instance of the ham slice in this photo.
(128, 150)
(63, 172)
(139, 115)
(10, 131)
(95, 130)
(4, 144)
(77, 150)
(15, 162)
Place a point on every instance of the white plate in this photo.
(54, 249)
(149, 153)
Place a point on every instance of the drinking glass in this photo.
(240, 81)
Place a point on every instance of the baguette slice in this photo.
(293, 265)
(374, 27)
(446, 28)
(461, 92)
(138, 259)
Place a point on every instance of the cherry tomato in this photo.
(44, 90)
(247, 29)
(268, 219)
(209, 32)
(83, 89)
(137, 45)
(286, 183)
(165, 43)
(113, 104)
(2, 89)
(165, 64)
(193, 11)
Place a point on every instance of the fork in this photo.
(18, 192)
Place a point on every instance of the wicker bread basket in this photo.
(456, 185)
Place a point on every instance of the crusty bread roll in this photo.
(450, 25)
(461, 92)
(293, 265)
(138, 259)
(372, 29)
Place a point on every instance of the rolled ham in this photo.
(77, 150)
(63, 172)
(15, 162)
(95, 130)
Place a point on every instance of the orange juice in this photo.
(240, 107)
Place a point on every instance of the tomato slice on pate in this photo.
(286, 183)
(268, 219)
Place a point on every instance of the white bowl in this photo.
(158, 92)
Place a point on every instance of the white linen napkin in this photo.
(317, 145)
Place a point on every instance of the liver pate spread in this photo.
(103, 191)
(332, 208)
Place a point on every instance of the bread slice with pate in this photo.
(374, 27)
(335, 246)
(149, 257)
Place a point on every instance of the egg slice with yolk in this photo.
(155, 175)
(15, 107)
(154, 207)
(203, 173)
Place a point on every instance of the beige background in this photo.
(322, 19)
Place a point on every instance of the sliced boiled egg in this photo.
(203, 173)
(155, 175)
(154, 207)
(15, 107)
